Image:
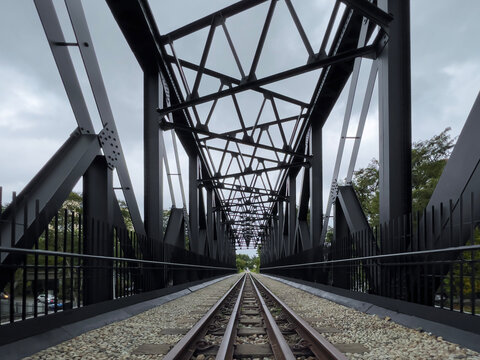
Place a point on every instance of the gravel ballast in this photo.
(147, 335)
(383, 338)
(147, 332)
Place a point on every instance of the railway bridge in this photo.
(234, 106)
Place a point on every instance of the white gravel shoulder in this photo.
(120, 339)
(383, 338)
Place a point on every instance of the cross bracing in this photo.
(251, 127)
(245, 153)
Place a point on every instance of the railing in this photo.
(74, 259)
(430, 258)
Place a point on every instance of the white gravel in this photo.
(384, 338)
(120, 339)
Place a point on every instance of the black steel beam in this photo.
(51, 186)
(175, 232)
(250, 172)
(236, 153)
(231, 80)
(138, 26)
(260, 126)
(366, 51)
(304, 195)
(166, 125)
(153, 158)
(109, 136)
(459, 183)
(61, 54)
(395, 130)
(252, 189)
(199, 24)
(261, 41)
(98, 240)
(210, 223)
(292, 213)
(332, 80)
(251, 203)
(369, 10)
(316, 183)
(194, 203)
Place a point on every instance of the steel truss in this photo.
(242, 182)
(247, 150)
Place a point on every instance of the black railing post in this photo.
(14, 220)
(472, 254)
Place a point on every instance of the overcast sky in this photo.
(36, 118)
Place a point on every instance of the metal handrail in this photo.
(384, 256)
(111, 258)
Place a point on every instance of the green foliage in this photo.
(241, 261)
(165, 217)
(365, 182)
(428, 160)
(429, 157)
(74, 203)
(464, 277)
(245, 262)
(126, 215)
(329, 235)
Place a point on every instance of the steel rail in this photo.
(186, 346)
(321, 348)
(226, 347)
(280, 347)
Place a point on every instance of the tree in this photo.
(244, 262)
(428, 160)
(429, 157)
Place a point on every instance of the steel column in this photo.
(292, 212)
(341, 247)
(316, 184)
(98, 240)
(303, 228)
(153, 157)
(281, 228)
(395, 115)
(210, 227)
(193, 201)
(202, 224)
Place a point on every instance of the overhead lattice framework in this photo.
(250, 137)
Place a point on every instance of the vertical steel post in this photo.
(210, 224)
(98, 209)
(220, 236)
(273, 249)
(316, 184)
(292, 212)
(193, 202)
(395, 115)
(153, 157)
(202, 224)
(281, 225)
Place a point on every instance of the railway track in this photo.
(249, 321)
